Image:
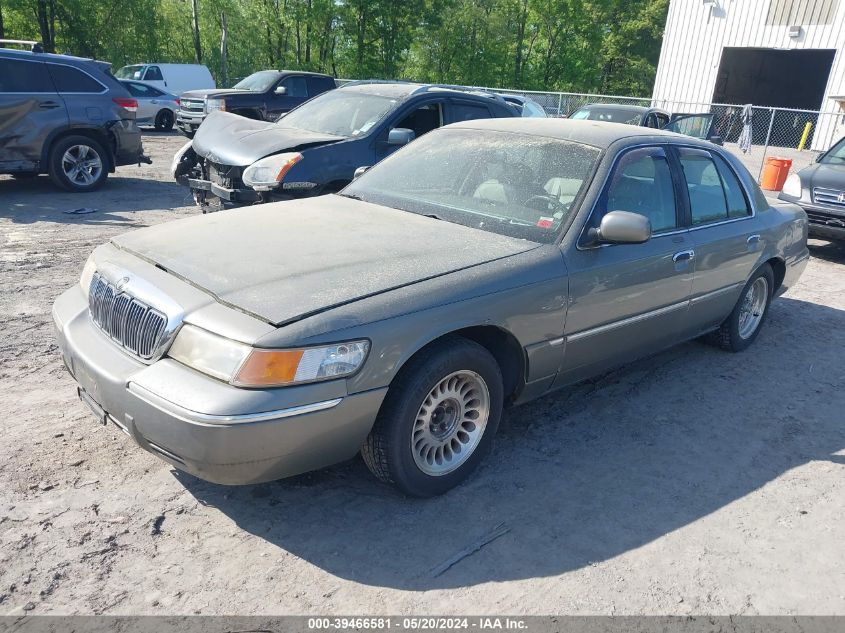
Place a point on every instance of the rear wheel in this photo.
(745, 321)
(78, 164)
(164, 120)
(438, 420)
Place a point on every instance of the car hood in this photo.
(285, 261)
(230, 139)
(830, 175)
(212, 92)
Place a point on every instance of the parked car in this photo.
(697, 125)
(526, 106)
(483, 265)
(173, 78)
(64, 116)
(263, 96)
(155, 107)
(820, 190)
(316, 148)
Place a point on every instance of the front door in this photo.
(420, 119)
(30, 109)
(154, 77)
(629, 300)
(295, 93)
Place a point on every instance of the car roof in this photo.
(600, 134)
(615, 107)
(54, 57)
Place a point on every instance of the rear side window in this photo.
(69, 79)
(469, 111)
(712, 197)
(23, 76)
(737, 203)
(316, 85)
(296, 87)
(153, 74)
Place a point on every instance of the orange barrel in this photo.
(774, 173)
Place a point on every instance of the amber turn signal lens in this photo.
(269, 367)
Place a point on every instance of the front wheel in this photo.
(164, 120)
(438, 420)
(745, 321)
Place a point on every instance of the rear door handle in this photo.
(683, 256)
(752, 239)
(48, 105)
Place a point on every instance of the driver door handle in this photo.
(683, 256)
(48, 105)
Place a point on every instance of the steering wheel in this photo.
(545, 202)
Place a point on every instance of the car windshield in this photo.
(258, 82)
(339, 113)
(128, 72)
(615, 115)
(836, 154)
(508, 183)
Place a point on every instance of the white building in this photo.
(775, 53)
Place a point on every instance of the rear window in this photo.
(24, 76)
(69, 79)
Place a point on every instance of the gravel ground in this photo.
(693, 482)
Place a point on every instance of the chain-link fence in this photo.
(798, 135)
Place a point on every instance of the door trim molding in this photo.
(613, 325)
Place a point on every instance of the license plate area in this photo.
(96, 409)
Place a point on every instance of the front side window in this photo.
(339, 113)
(153, 74)
(69, 79)
(708, 196)
(508, 183)
(641, 183)
(835, 155)
(423, 119)
(296, 87)
(24, 76)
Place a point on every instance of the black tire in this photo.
(164, 120)
(25, 175)
(729, 336)
(57, 165)
(387, 451)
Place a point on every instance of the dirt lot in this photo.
(695, 481)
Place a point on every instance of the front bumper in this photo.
(210, 429)
(188, 123)
(823, 222)
(206, 187)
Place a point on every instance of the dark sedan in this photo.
(820, 190)
(484, 265)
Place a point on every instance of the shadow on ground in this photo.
(581, 475)
(833, 252)
(38, 200)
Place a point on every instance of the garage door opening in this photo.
(775, 78)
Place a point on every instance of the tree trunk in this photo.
(46, 15)
(195, 19)
(224, 48)
(308, 33)
(522, 18)
(2, 29)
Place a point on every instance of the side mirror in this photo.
(281, 90)
(623, 227)
(400, 136)
(360, 171)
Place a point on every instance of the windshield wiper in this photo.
(433, 216)
(351, 196)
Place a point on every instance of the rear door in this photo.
(80, 90)
(629, 300)
(147, 97)
(722, 229)
(30, 109)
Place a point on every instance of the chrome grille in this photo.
(192, 106)
(823, 195)
(132, 324)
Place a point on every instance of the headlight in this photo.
(87, 274)
(792, 186)
(178, 158)
(246, 366)
(215, 104)
(267, 173)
